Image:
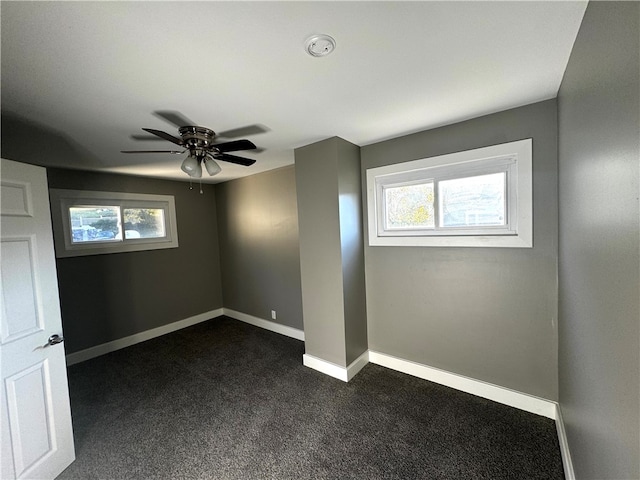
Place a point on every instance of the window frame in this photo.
(62, 200)
(513, 158)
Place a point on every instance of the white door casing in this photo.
(37, 437)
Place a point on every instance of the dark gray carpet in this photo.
(226, 400)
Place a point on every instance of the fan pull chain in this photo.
(190, 185)
(201, 192)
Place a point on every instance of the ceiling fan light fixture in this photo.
(191, 166)
(198, 172)
(212, 166)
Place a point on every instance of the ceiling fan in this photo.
(199, 142)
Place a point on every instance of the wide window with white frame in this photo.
(475, 198)
(92, 223)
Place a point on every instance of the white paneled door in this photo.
(37, 439)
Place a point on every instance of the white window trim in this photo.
(518, 158)
(62, 199)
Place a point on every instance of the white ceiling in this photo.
(96, 71)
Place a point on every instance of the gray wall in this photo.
(352, 249)
(599, 160)
(320, 259)
(331, 257)
(486, 313)
(106, 297)
(259, 251)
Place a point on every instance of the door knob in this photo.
(54, 340)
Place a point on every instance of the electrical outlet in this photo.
(273, 314)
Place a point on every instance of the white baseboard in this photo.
(114, 345)
(322, 366)
(564, 446)
(266, 324)
(506, 396)
(336, 371)
(357, 365)
(104, 348)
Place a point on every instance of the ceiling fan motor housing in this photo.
(197, 139)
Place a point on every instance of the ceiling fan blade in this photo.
(175, 152)
(164, 135)
(176, 118)
(235, 145)
(244, 131)
(234, 159)
(145, 137)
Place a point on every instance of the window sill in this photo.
(499, 241)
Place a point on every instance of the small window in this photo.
(478, 201)
(475, 198)
(95, 224)
(144, 223)
(409, 206)
(92, 223)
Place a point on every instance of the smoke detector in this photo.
(320, 45)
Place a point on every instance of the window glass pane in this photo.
(472, 201)
(95, 224)
(409, 206)
(144, 223)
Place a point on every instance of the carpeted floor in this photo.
(226, 400)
